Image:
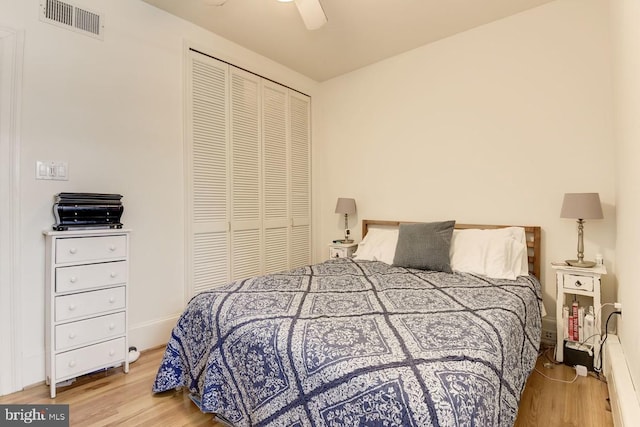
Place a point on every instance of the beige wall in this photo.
(625, 24)
(489, 126)
(113, 110)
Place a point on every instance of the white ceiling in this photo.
(359, 32)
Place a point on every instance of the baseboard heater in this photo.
(625, 406)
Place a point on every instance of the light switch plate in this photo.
(51, 170)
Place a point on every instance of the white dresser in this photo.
(87, 274)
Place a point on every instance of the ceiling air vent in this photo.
(71, 17)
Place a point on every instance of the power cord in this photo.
(558, 380)
(550, 364)
(604, 340)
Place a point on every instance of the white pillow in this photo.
(497, 253)
(379, 244)
(518, 234)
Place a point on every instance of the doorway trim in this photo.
(11, 60)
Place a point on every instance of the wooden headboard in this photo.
(532, 232)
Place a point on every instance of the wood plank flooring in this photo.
(112, 398)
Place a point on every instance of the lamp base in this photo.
(582, 264)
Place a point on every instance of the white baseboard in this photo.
(625, 407)
(152, 334)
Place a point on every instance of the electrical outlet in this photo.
(548, 336)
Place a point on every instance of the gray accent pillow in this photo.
(424, 246)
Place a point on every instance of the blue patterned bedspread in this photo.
(358, 343)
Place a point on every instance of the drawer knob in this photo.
(113, 275)
(112, 352)
(578, 283)
(72, 251)
(73, 279)
(112, 326)
(112, 248)
(72, 307)
(72, 335)
(72, 363)
(112, 300)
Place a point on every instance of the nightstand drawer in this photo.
(79, 333)
(342, 250)
(584, 283)
(85, 359)
(87, 303)
(90, 276)
(81, 249)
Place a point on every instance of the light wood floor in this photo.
(112, 398)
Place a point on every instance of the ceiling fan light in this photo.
(312, 13)
(215, 2)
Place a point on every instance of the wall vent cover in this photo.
(71, 17)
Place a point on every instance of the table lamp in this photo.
(346, 207)
(581, 206)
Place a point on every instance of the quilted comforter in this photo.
(354, 343)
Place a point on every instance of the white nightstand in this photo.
(342, 250)
(577, 281)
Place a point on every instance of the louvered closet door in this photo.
(300, 196)
(276, 218)
(207, 185)
(246, 195)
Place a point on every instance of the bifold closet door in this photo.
(277, 219)
(248, 185)
(207, 258)
(300, 178)
(246, 193)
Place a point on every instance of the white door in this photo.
(11, 48)
(300, 201)
(207, 173)
(246, 194)
(276, 224)
(248, 175)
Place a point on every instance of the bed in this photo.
(355, 342)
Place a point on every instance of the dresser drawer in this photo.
(91, 330)
(83, 360)
(82, 249)
(87, 303)
(90, 276)
(584, 283)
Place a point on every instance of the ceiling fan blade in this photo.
(312, 13)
